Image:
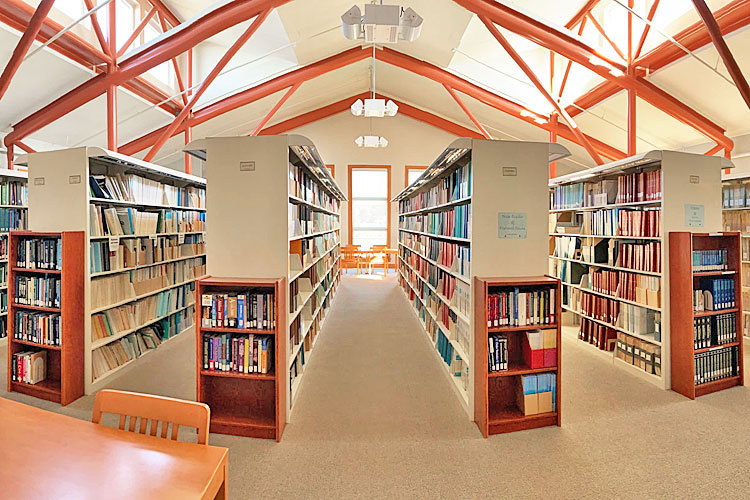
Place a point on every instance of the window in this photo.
(332, 169)
(412, 173)
(369, 205)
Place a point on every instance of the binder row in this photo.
(596, 334)
(714, 294)
(239, 354)
(520, 308)
(710, 260)
(625, 285)
(455, 222)
(735, 195)
(39, 253)
(639, 353)
(37, 291)
(306, 187)
(716, 365)
(41, 328)
(639, 256)
(452, 187)
(714, 330)
(239, 310)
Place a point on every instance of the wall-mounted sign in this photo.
(695, 215)
(511, 225)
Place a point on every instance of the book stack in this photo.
(497, 354)
(454, 222)
(716, 330)
(735, 194)
(238, 353)
(306, 187)
(129, 253)
(37, 327)
(714, 294)
(639, 187)
(127, 221)
(138, 189)
(238, 310)
(40, 254)
(601, 308)
(37, 291)
(29, 367)
(643, 355)
(709, 260)
(600, 336)
(520, 308)
(716, 364)
(639, 256)
(452, 187)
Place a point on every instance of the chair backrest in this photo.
(154, 410)
(349, 251)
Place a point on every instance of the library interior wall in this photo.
(410, 142)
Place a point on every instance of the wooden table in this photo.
(47, 455)
(369, 255)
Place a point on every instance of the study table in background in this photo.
(54, 456)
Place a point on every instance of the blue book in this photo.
(240, 311)
(529, 384)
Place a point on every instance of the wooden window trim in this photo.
(407, 168)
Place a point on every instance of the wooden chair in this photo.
(154, 409)
(379, 259)
(350, 258)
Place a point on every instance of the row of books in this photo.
(37, 291)
(4, 323)
(139, 189)
(133, 252)
(497, 355)
(639, 353)
(238, 353)
(629, 317)
(36, 253)
(140, 313)
(306, 187)
(639, 256)
(454, 256)
(714, 330)
(449, 355)
(736, 221)
(625, 285)
(710, 260)
(735, 194)
(625, 188)
(714, 294)
(14, 192)
(119, 352)
(4, 246)
(716, 364)
(537, 393)
(127, 221)
(29, 367)
(238, 310)
(516, 307)
(38, 327)
(310, 249)
(305, 220)
(454, 222)
(451, 187)
(111, 289)
(621, 222)
(600, 336)
(12, 219)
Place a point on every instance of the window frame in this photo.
(409, 168)
(332, 169)
(387, 168)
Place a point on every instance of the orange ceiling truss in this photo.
(127, 73)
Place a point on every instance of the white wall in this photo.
(410, 142)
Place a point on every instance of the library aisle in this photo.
(376, 417)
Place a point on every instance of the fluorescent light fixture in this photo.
(381, 24)
(371, 141)
(374, 108)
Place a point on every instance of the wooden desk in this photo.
(48, 455)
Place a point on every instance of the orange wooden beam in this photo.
(276, 108)
(580, 16)
(468, 112)
(136, 32)
(646, 29)
(98, 30)
(605, 36)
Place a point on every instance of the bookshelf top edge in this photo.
(518, 281)
(235, 281)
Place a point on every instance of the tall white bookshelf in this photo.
(13, 215)
(502, 183)
(255, 198)
(736, 217)
(155, 285)
(591, 245)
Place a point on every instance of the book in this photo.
(29, 367)
(238, 310)
(716, 365)
(452, 187)
(39, 253)
(238, 353)
(515, 307)
(37, 291)
(710, 260)
(38, 327)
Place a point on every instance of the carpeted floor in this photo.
(376, 418)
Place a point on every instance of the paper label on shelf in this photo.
(181, 238)
(695, 215)
(511, 225)
(114, 243)
(247, 166)
(206, 300)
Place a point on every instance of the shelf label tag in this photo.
(74, 179)
(247, 166)
(695, 179)
(511, 225)
(181, 238)
(39, 181)
(206, 300)
(694, 215)
(114, 243)
(510, 171)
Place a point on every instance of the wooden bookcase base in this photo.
(513, 420)
(717, 385)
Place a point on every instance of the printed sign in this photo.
(181, 238)
(510, 171)
(114, 243)
(247, 166)
(511, 225)
(695, 215)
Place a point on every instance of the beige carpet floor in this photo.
(376, 418)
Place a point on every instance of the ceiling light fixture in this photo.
(371, 141)
(381, 23)
(374, 107)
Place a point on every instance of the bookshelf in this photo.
(244, 401)
(607, 244)
(143, 249)
(289, 227)
(13, 216)
(63, 344)
(706, 342)
(501, 403)
(736, 217)
(478, 200)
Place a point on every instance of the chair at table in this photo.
(380, 257)
(350, 258)
(153, 409)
